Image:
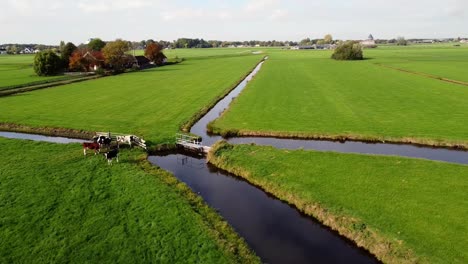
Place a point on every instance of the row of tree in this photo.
(111, 55)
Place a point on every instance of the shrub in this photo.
(47, 63)
(349, 50)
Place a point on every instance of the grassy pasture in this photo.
(58, 206)
(440, 61)
(414, 205)
(208, 52)
(18, 70)
(305, 93)
(153, 103)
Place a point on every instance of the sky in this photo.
(50, 21)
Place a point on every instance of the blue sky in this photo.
(49, 21)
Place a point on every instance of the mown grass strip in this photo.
(424, 75)
(44, 84)
(402, 210)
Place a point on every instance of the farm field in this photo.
(440, 61)
(17, 70)
(306, 94)
(153, 104)
(58, 206)
(420, 204)
(198, 53)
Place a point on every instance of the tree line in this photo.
(97, 54)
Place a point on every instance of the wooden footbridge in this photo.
(191, 143)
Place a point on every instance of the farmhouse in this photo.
(302, 47)
(3, 51)
(369, 42)
(27, 51)
(94, 60)
(141, 61)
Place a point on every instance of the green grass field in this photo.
(305, 93)
(209, 52)
(58, 206)
(421, 204)
(152, 104)
(444, 61)
(17, 70)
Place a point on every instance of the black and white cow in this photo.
(112, 154)
(104, 141)
(131, 139)
(125, 140)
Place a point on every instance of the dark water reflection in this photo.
(277, 232)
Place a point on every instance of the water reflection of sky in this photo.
(60, 140)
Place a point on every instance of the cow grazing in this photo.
(104, 141)
(94, 146)
(112, 154)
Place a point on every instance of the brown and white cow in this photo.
(94, 146)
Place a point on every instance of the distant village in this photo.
(200, 43)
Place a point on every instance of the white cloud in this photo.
(260, 5)
(278, 14)
(90, 6)
(31, 7)
(197, 13)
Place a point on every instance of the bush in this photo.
(47, 63)
(349, 50)
(100, 71)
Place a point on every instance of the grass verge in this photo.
(401, 210)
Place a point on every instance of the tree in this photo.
(96, 44)
(305, 42)
(47, 63)
(152, 50)
(114, 54)
(401, 41)
(349, 50)
(328, 39)
(320, 42)
(62, 45)
(66, 52)
(12, 49)
(149, 41)
(77, 62)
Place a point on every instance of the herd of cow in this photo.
(100, 142)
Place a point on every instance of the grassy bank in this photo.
(59, 206)
(153, 104)
(401, 210)
(306, 94)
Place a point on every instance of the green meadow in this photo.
(17, 70)
(307, 94)
(401, 209)
(197, 53)
(440, 61)
(58, 206)
(153, 103)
